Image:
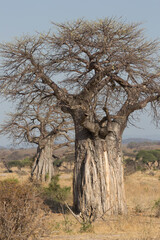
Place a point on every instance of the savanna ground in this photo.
(141, 223)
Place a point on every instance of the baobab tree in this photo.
(39, 124)
(100, 72)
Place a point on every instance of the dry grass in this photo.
(142, 190)
(21, 175)
(128, 228)
(140, 224)
(22, 211)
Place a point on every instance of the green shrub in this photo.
(157, 207)
(148, 158)
(27, 162)
(21, 211)
(58, 162)
(55, 192)
(138, 208)
(128, 161)
(86, 227)
(10, 180)
(141, 168)
(67, 158)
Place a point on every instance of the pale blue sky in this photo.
(19, 17)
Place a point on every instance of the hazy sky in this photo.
(19, 17)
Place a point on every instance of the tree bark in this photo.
(43, 168)
(98, 185)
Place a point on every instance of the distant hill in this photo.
(139, 140)
(16, 154)
(1, 147)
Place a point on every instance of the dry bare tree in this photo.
(40, 124)
(100, 72)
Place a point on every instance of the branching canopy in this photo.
(105, 69)
(37, 123)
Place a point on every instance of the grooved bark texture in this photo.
(43, 169)
(98, 175)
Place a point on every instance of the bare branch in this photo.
(81, 62)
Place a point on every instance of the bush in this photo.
(157, 207)
(10, 180)
(129, 161)
(27, 162)
(21, 211)
(147, 158)
(67, 158)
(55, 192)
(58, 162)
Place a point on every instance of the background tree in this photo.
(148, 158)
(40, 124)
(100, 72)
(157, 155)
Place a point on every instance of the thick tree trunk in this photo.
(98, 174)
(43, 169)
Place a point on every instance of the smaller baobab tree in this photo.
(39, 124)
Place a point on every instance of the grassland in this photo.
(141, 222)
